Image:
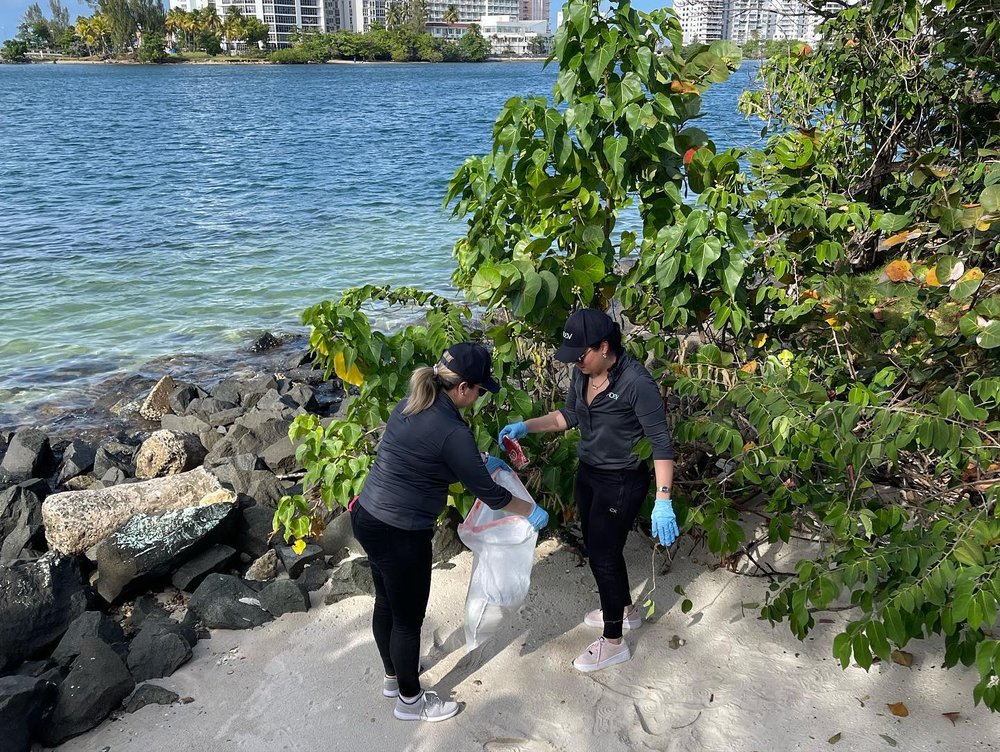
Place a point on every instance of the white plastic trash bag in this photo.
(503, 549)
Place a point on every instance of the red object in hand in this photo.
(516, 454)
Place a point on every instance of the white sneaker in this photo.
(601, 654)
(632, 619)
(429, 707)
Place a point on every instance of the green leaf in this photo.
(485, 282)
(704, 253)
(598, 61)
(990, 199)
(686, 606)
(989, 335)
(590, 265)
(614, 147)
(532, 285)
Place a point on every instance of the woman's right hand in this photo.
(515, 430)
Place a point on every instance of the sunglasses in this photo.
(584, 356)
(481, 389)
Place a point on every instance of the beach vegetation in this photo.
(821, 308)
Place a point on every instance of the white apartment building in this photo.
(535, 10)
(743, 20)
(508, 35)
(282, 16)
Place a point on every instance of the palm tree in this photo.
(394, 16)
(451, 15)
(175, 21)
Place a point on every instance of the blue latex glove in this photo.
(665, 522)
(538, 518)
(515, 430)
(495, 463)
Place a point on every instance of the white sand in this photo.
(313, 681)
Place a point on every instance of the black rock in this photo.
(299, 360)
(115, 454)
(114, 476)
(225, 602)
(182, 396)
(353, 577)
(264, 342)
(21, 526)
(254, 486)
(225, 417)
(149, 694)
(304, 396)
(294, 563)
(96, 684)
(187, 630)
(306, 375)
(283, 597)
(38, 602)
(24, 701)
(90, 625)
(190, 574)
(145, 607)
(78, 458)
(277, 403)
(156, 652)
(252, 390)
(229, 390)
(152, 545)
(280, 456)
(313, 578)
(29, 455)
(254, 530)
(184, 424)
(338, 535)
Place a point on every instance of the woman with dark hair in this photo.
(615, 403)
(426, 447)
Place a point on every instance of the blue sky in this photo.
(11, 11)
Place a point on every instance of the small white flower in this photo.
(994, 682)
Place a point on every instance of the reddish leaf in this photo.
(898, 708)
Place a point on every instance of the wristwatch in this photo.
(663, 492)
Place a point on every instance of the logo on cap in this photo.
(567, 335)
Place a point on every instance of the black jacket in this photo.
(418, 458)
(610, 427)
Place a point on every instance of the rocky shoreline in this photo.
(130, 529)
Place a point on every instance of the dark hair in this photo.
(614, 340)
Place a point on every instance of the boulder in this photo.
(180, 398)
(272, 401)
(152, 545)
(24, 701)
(157, 402)
(280, 456)
(145, 607)
(225, 417)
(156, 652)
(77, 459)
(168, 453)
(294, 563)
(96, 684)
(149, 694)
(29, 455)
(229, 390)
(90, 625)
(38, 602)
(244, 475)
(76, 520)
(264, 342)
(353, 577)
(338, 535)
(252, 390)
(190, 574)
(114, 454)
(21, 527)
(283, 597)
(313, 578)
(304, 396)
(184, 424)
(254, 530)
(263, 569)
(225, 602)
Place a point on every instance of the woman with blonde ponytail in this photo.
(426, 447)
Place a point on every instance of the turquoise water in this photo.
(149, 210)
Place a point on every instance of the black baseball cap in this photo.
(584, 328)
(471, 362)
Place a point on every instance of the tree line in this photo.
(144, 31)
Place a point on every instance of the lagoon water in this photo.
(148, 210)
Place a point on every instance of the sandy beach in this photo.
(716, 678)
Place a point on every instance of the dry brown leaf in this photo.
(898, 708)
(749, 367)
(834, 739)
(952, 716)
(902, 658)
(683, 87)
(900, 237)
(899, 271)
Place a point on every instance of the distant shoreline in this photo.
(240, 61)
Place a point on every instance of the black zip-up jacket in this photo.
(610, 427)
(418, 458)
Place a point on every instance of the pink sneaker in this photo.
(632, 619)
(601, 654)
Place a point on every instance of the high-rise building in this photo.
(743, 20)
(535, 10)
(281, 16)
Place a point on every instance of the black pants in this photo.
(608, 502)
(401, 568)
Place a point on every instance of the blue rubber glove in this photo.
(515, 430)
(665, 522)
(495, 463)
(538, 518)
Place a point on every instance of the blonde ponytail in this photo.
(425, 383)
